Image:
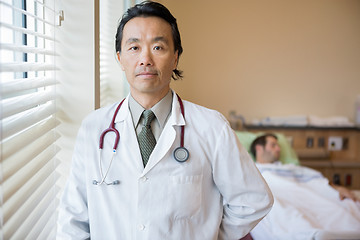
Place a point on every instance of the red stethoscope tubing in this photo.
(182, 127)
(111, 128)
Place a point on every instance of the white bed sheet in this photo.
(305, 207)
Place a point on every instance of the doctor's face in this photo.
(147, 56)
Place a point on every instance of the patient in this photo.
(306, 206)
(266, 149)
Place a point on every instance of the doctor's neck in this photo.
(148, 99)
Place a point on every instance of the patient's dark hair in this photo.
(261, 140)
(151, 9)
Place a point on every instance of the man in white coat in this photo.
(215, 193)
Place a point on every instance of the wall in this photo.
(270, 58)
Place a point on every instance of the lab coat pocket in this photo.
(184, 196)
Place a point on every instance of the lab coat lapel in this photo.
(128, 136)
(167, 137)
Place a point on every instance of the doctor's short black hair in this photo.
(261, 140)
(151, 9)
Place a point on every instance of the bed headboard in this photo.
(287, 154)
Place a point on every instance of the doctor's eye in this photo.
(158, 48)
(134, 48)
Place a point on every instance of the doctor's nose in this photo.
(146, 58)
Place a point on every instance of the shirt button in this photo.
(143, 179)
(141, 227)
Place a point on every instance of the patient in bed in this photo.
(266, 150)
(306, 205)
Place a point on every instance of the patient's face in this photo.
(272, 150)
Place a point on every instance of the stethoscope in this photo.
(180, 154)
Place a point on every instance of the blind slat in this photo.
(46, 202)
(27, 189)
(11, 146)
(12, 106)
(24, 217)
(27, 49)
(47, 6)
(19, 122)
(47, 222)
(26, 31)
(21, 84)
(49, 228)
(27, 67)
(26, 13)
(14, 164)
(43, 164)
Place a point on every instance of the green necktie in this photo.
(146, 138)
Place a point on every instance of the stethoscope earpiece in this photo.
(116, 182)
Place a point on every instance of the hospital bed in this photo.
(305, 205)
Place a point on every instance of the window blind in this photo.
(113, 84)
(28, 119)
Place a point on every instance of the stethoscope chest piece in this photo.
(181, 154)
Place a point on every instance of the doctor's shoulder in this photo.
(101, 115)
(207, 117)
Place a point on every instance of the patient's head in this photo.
(266, 148)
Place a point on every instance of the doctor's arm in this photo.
(73, 220)
(246, 196)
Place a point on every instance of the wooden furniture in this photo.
(333, 151)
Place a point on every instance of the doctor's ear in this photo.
(176, 59)
(119, 59)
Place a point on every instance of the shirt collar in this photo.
(162, 109)
(135, 109)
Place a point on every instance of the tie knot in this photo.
(148, 117)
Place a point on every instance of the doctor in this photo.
(213, 192)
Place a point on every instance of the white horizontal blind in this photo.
(28, 119)
(113, 84)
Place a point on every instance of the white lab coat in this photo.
(217, 194)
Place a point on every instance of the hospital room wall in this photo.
(270, 58)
